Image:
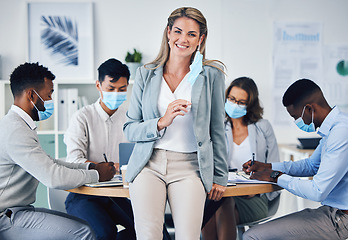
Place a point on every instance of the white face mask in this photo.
(113, 100)
(305, 127)
(195, 67)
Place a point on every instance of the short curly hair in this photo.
(29, 75)
(299, 91)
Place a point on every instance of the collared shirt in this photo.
(25, 116)
(92, 132)
(179, 136)
(328, 165)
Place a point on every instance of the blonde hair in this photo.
(191, 13)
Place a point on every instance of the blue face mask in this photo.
(49, 108)
(234, 110)
(195, 67)
(305, 127)
(113, 100)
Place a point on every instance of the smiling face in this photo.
(184, 37)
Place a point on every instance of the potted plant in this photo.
(133, 61)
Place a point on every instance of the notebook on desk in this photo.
(125, 151)
(115, 181)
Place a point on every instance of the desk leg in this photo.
(210, 209)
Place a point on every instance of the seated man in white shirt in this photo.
(23, 163)
(93, 131)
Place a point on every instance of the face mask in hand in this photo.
(49, 108)
(195, 67)
(234, 110)
(113, 100)
(305, 127)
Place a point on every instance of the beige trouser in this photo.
(173, 176)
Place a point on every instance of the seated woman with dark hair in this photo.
(246, 134)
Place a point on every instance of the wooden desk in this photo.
(239, 190)
(119, 191)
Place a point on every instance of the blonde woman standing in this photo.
(176, 118)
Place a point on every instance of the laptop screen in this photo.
(125, 151)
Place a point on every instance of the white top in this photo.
(179, 136)
(240, 154)
(92, 132)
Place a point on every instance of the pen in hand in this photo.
(253, 160)
(252, 163)
(106, 160)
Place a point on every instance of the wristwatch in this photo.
(275, 175)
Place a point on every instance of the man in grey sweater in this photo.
(23, 164)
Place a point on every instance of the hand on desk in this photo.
(106, 170)
(264, 175)
(216, 192)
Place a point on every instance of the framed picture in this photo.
(60, 37)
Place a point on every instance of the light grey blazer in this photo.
(208, 111)
(262, 142)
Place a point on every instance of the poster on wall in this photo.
(60, 37)
(297, 54)
(335, 83)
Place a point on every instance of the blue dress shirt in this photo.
(328, 165)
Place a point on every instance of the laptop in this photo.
(125, 151)
(309, 143)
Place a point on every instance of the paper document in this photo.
(115, 181)
(242, 177)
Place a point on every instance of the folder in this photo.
(67, 106)
(62, 109)
(72, 102)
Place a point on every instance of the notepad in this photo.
(242, 177)
(115, 181)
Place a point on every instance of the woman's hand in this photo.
(175, 108)
(216, 192)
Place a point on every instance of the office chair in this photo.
(56, 199)
(272, 209)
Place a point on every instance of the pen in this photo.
(106, 160)
(252, 162)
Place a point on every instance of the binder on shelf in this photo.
(67, 106)
(62, 109)
(82, 101)
(72, 102)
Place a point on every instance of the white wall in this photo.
(240, 33)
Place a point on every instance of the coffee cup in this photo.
(123, 171)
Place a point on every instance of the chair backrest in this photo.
(273, 206)
(56, 199)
